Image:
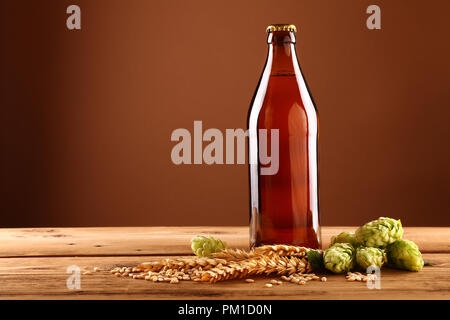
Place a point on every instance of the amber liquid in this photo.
(287, 206)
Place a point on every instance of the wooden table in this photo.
(34, 262)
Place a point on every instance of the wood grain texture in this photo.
(141, 241)
(45, 278)
(33, 264)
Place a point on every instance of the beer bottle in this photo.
(283, 120)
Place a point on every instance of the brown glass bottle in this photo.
(284, 205)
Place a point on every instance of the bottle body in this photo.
(284, 204)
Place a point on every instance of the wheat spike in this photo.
(281, 250)
(180, 263)
(256, 266)
(234, 254)
(227, 264)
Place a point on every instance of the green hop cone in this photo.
(205, 246)
(405, 254)
(315, 259)
(339, 258)
(345, 237)
(379, 233)
(366, 257)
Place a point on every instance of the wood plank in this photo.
(111, 241)
(45, 278)
(141, 241)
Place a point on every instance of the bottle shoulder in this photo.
(282, 91)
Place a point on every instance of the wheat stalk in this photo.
(281, 250)
(227, 264)
(234, 254)
(179, 263)
(267, 250)
(262, 265)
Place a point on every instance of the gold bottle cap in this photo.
(281, 27)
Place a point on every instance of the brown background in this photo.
(87, 115)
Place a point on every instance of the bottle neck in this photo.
(282, 50)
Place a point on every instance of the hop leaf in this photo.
(379, 233)
(405, 254)
(366, 257)
(345, 237)
(204, 246)
(315, 258)
(339, 258)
